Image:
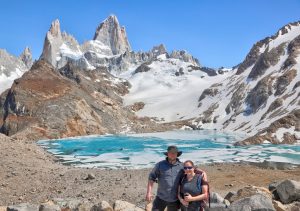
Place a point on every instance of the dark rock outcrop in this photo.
(143, 68)
(284, 80)
(252, 56)
(259, 95)
(266, 60)
(213, 91)
(237, 99)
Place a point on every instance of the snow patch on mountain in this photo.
(170, 89)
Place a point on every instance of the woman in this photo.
(192, 191)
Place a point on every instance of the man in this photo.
(168, 173)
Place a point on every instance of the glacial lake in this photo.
(136, 151)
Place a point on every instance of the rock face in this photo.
(248, 192)
(111, 34)
(259, 95)
(26, 57)
(61, 48)
(52, 43)
(253, 203)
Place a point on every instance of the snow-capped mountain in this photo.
(168, 87)
(12, 67)
(110, 48)
(261, 96)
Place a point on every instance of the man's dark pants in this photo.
(160, 205)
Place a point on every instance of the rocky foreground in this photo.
(30, 175)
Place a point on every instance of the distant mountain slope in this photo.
(12, 67)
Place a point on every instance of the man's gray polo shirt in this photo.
(168, 176)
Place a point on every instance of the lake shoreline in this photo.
(138, 151)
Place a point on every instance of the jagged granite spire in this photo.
(26, 57)
(110, 33)
(53, 41)
(59, 47)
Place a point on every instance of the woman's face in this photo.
(188, 168)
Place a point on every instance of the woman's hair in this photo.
(189, 161)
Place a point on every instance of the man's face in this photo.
(172, 155)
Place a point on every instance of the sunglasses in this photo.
(188, 167)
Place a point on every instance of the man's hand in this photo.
(202, 173)
(188, 197)
(149, 197)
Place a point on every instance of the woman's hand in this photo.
(184, 202)
(149, 197)
(188, 197)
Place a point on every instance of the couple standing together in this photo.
(179, 184)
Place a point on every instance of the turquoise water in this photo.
(143, 150)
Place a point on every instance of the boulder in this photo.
(217, 201)
(258, 202)
(216, 198)
(248, 192)
(125, 206)
(90, 176)
(273, 189)
(70, 203)
(3, 208)
(288, 191)
(102, 206)
(273, 186)
(84, 206)
(23, 207)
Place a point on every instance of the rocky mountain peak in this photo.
(53, 41)
(111, 34)
(55, 28)
(26, 57)
(158, 50)
(184, 56)
(268, 45)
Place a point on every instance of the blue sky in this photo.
(217, 32)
